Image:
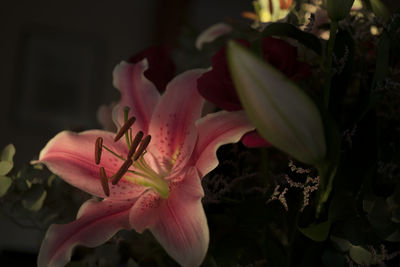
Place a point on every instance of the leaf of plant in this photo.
(5, 183)
(317, 232)
(342, 244)
(360, 255)
(5, 167)
(34, 198)
(288, 30)
(8, 153)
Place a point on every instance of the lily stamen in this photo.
(104, 181)
(127, 125)
(135, 143)
(143, 145)
(98, 150)
(120, 173)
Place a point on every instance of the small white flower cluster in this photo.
(308, 187)
(377, 258)
(383, 256)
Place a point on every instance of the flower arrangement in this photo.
(282, 149)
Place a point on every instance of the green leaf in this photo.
(317, 232)
(360, 255)
(8, 153)
(338, 9)
(288, 30)
(34, 198)
(342, 244)
(382, 59)
(5, 183)
(5, 167)
(380, 9)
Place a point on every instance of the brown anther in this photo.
(143, 145)
(104, 181)
(124, 168)
(135, 144)
(98, 149)
(124, 128)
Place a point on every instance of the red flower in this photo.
(217, 86)
(161, 67)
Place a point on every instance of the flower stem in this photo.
(329, 55)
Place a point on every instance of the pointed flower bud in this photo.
(283, 114)
(338, 9)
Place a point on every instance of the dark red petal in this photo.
(301, 71)
(217, 86)
(279, 54)
(161, 67)
(254, 139)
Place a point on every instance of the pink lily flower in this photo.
(161, 190)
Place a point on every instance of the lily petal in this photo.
(212, 33)
(172, 125)
(96, 223)
(137, 92)
(179, 222)
(71, 156)
(215, 130)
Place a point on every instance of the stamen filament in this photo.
(145, 142)
(160, 185)
(124, 129)
(141, 164)
(135, 144)
(98, 150)
(104, 181)
(115, 154)
(120, 173)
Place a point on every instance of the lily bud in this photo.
(283, 114)
(338, 9)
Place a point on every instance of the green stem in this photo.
(329, 55)
(327, 174)
(115, 154)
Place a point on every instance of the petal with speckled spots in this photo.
(172, 125)
(179, 222)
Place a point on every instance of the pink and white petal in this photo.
(97, 222)
(179, 222)
(215, 130)
(71, 156)
(172, 124)
(212, 33)
(137, 92)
